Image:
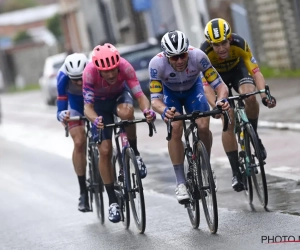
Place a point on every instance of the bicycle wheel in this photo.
(246, 180)
(257, 165)
(192, 207)
(206, 187)
(243, 162)
(136, 193)
(120, 190)
(98, 187)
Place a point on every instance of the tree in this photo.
(22, 36)
(53, 24)
(12, 5)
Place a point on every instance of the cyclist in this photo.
(70, 103)
(105, 94)
(231, 56)
(175, 82)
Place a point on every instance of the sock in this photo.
(234, 161)
(82, 184)
(254, 124)
(134, 146)
(179, 173)
(111, 193)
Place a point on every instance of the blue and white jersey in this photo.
(69, 94)
(162, 73)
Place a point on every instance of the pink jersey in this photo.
(96, 88)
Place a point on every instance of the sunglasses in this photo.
(181, 56)
(76, 80)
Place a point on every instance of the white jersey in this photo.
(162, 73)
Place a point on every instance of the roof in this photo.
(28, 15)
(42, 34)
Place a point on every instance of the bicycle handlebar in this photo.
(73, 118)
(198, 114)
(125, 123)
(246, 95)
(117, 124)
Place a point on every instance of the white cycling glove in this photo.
(63, 114)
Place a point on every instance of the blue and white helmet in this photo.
(75, 64)
(174, 43)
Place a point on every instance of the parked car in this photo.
(47, 81)
(139, 55)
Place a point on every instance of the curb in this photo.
(261, 124)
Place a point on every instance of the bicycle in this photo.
(250, 157)
(128, 184)
(199, 177)
(94, 182)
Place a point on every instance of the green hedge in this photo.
(269, 72)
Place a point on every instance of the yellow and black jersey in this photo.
(239, 48)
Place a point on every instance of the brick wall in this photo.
(275, 32)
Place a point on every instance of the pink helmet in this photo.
(106, 57)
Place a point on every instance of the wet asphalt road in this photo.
(38, 187)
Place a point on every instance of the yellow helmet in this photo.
(217, 30)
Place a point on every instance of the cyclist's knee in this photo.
(105, 149)
(177, 130)
(79, 145)
(79, 141)
(126, 112)
(203, 127)
(251, 100)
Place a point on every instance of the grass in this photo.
(28, 87)
(269, 72)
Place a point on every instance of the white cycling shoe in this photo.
(182, 194)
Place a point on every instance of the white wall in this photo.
(188, 20)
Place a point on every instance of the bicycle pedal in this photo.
(184, 202)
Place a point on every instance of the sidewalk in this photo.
(286, 115)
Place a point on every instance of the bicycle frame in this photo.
(188, 150)
(120, 133)
(241, 120)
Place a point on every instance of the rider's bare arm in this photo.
(143, 102)
(253, 68)
(158, 105)
(222, 91)
(89, 112)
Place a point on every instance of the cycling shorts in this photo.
(192, 99)
(237, 76)
(106, 109)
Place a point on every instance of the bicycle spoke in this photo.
(192, 207)
(207, 188)
(257, 167)
(136, 193)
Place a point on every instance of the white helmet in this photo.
(174, 43)
(75, 64)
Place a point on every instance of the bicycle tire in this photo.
(193, 207)
(246, 179)
(205, 176)
(261, 190)
(135, 187)
(120, 192)
(98, 188)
